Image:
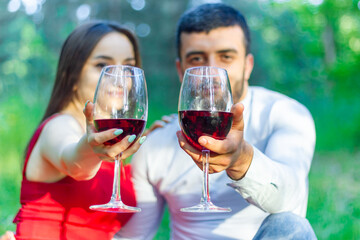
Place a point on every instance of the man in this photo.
(265, 159)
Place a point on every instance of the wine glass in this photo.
(204, 110)
(120, 101)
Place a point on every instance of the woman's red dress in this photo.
(60, 210)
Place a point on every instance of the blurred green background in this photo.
(307, 49)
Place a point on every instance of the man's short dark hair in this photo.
(207, 17)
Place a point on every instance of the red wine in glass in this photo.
(195, 124)
(120, 101)
(205, 103)
(129, 126)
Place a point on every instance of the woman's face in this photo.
(113, 49)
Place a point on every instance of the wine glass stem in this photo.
(205, 154)
(116, 183)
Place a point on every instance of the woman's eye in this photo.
(130, 63)
(100, 65)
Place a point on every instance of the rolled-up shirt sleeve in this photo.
(277, 179)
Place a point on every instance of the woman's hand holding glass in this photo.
(120, 108)
(95, 140)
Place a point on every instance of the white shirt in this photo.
(282, 133)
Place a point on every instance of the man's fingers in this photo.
(168, 118)
(190, 150)
(229, 144)
(238, 119)
(160, 123)
(155, 125)
(219, 146)
(195, 154)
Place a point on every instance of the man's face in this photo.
(222, 47)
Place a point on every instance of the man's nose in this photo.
(212, 62)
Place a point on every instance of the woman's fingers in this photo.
(99, 138)
(120, 147)
(88, 112)
(126, 147)
(133, 148)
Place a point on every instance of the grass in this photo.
(334, 199)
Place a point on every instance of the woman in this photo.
(67, 167)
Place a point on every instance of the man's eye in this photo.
(226, 57)
(196, 60)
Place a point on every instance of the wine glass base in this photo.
(115, 207)
(205, 207)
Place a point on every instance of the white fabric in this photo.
(282, 134)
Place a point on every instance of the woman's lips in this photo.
(116, 93)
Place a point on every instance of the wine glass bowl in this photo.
(120, 102)
(196, 123)
(205, 103)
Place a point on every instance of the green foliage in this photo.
(21, 119)
(309, 52)
(312, 53)
(163, 232)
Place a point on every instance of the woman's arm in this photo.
(64, 150)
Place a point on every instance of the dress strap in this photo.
(34, 139)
